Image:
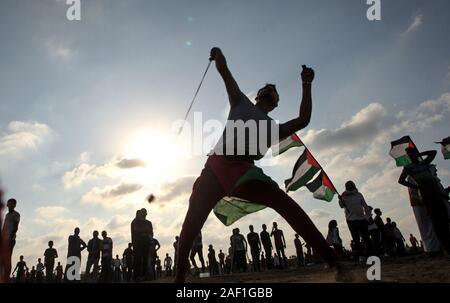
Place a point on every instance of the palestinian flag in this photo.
(398, 150)
(231, 175)
(285, 144)
(230, 209)
(322, 188)
(304, 170)
(445, 148)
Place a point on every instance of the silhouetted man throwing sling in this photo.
(231, 159)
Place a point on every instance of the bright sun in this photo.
(160, 153)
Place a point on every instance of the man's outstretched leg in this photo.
(272, 196)
(206, 193)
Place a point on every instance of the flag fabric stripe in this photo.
(322, 188)
(304, 170)
(230, 209)
(446, 151)
(286, 144)
(445, 148)
(398, 150)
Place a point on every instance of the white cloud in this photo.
(50, 212)
(416, 22)
(362, 127)
(317, 214)
(22, 136)
(108, 195)
(60, 51)
(112, 169)
(175, 189)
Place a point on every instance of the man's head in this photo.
(394, 224)
(267, 98)
(39, 260)
(76, 231)
(350, 186)
(50, 244)
(143, 213)
(388, 220)
(251, 228)
(378, 212)
(177, 238)
(130, 245)
(95, 234)
(332, 224)
(21, 258)
(297, 236)
(264, 226)
(275, 225)
(412, 153)
(11, 204)
(104, 234)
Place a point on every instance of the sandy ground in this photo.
(410, 269)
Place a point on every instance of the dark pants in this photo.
(197, 250)
(49, 271)
(141, 252)
(281, 255)
(208, 191)
(376, 242)
(240, 260)
(359, 230)
(106, 273)
(268, 252)
(255, 258)
(439, 216)
(300, 258)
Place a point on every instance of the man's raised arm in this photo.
(221, 65)
(304, 117)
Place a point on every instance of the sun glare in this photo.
(160, 153)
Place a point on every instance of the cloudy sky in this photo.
(87, 107)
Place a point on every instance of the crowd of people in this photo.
(255, 252)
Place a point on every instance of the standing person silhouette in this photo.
(168, 265)
(299, 250)
(76, 246)
(21, 266)
(433, 194)
(213, 264)
(255, 248)
(226, 165)
(357, 213)
(175, 254)
(197, 249)
(128, 256)
(50, 255)
(59, 273)
(414, 243)
(280, 244)
(40, 271)
(93, 247)
(267, 244)
(8, 237)
(107, 257)
(221, 256)
(240, 247)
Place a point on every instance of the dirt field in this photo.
(411, 269)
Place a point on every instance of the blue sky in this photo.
(79, 97)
